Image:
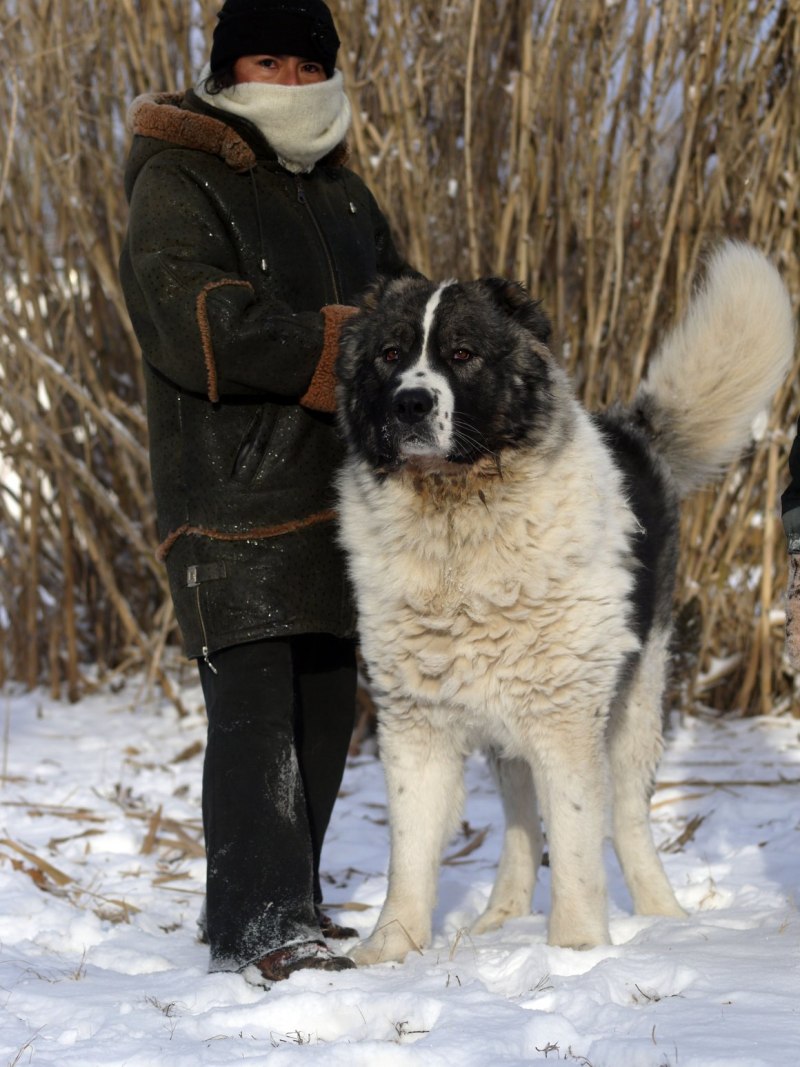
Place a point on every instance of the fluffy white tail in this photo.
(719, 367)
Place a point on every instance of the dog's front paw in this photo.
(494, 917)
(390, 942)
(669, 907)
(580, 935)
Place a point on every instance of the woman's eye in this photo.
(462, 355)
(391, 355)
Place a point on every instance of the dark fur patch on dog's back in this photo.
(654, 502)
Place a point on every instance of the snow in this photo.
(101, 881)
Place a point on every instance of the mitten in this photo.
(321, 393)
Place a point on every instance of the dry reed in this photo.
(593, 150)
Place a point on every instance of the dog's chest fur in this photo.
(492, 599)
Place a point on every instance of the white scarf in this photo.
(302, 123)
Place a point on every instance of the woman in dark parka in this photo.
(248, 239)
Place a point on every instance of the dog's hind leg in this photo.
(635, 745)
(424, 768)
(522, 845)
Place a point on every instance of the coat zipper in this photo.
(204, 649)
(261, 246)
(302, 198)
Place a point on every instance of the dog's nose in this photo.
(412, 405)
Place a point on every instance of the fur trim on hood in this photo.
(160, 115)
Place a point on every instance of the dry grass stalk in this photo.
(592, 150)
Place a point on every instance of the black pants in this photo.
(280, 718)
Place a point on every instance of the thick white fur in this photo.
(493, 613)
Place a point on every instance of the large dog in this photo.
(513, 559)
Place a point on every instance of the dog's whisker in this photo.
(464, 433)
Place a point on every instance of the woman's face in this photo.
(278, 70)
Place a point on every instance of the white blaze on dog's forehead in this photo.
(428, 315)
(423, 367)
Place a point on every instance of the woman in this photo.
(247, 241)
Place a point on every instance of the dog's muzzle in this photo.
(411, 406)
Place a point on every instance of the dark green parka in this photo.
(234, 272)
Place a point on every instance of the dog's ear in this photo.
(374, 293)
(513, 298)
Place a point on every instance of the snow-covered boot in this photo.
(298, 956)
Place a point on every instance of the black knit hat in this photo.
(275, 27)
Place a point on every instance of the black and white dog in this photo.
(513, 559)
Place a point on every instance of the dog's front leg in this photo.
(424, 785)
(569, 762)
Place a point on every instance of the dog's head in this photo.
(444, 373)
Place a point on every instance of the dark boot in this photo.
(304, 955)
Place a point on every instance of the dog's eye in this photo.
(461, 355)
(391, 355)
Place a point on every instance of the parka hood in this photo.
(160, 121)
(165, 117)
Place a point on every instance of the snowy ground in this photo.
(101, 876)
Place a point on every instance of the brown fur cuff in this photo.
(321, 393)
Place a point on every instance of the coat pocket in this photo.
(253, 446)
